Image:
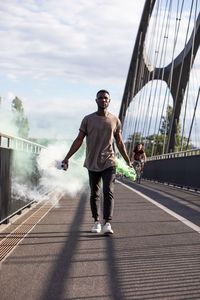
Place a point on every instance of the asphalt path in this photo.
(153, 254)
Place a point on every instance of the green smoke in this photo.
(123, 169)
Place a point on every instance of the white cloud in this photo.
(42, 38)
(171, 29)
(55, 55)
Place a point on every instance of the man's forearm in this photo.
(74, 147)
(123, 152)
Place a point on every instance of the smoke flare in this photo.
(124, 170)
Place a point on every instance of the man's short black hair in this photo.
(102, 91)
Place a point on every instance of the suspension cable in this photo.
(157, 42)
(193, 119)
(181, 69)
(167, 27)
(160, 64)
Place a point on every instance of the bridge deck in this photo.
(152, 255)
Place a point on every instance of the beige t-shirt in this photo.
(100, 133)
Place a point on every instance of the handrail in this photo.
(175, 154)
(17, 212)
(17, 143)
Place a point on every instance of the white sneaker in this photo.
(107, 229)
(96, 228)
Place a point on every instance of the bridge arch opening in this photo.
(147, 118)
(190, 110)
(169, 30)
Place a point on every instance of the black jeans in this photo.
(108, 178)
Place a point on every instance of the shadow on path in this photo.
(113, 271)
(168, 201)
(60, 273)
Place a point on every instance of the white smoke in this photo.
(53, 182)
(23, 192)
(53, 179)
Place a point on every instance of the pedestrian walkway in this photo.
(152, 255)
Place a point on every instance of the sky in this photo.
(56, 54)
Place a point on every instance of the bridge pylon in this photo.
(176, 74)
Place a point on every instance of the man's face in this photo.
(103, 100)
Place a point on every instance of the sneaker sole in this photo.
(108, 232)
(95, 231)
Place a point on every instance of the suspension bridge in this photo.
(46, 248)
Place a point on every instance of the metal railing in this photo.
(8, 144)
(17, 212)
(175, 154)
(16, 143)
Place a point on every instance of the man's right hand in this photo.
(129, 163)
(65, 164)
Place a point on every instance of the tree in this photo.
(20, 120)
(165, 129)
(156, 143)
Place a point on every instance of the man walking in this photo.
(100, 129)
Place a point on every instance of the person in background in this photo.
(100, 128)
(139, 155)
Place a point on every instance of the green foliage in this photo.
(20, 120)
(155, 144)
(17, 105)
